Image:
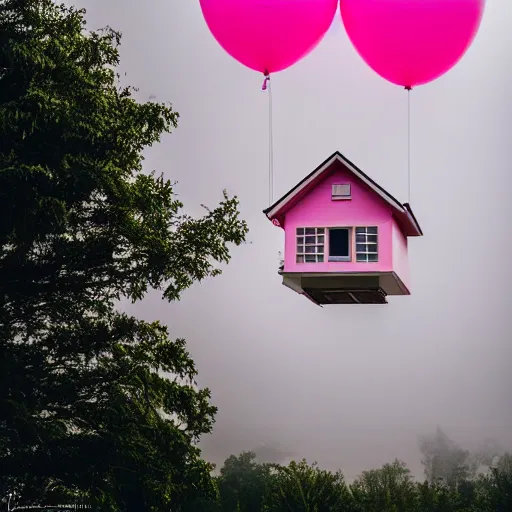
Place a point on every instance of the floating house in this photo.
(346, 238)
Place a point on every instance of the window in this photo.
(310, 245)
(339, 244)
(366, 244)
(340, 192)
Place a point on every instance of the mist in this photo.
(351, 387)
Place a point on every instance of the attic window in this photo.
(341, 192)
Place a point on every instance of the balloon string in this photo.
(270, 144)
(409, 144)
(267, 85)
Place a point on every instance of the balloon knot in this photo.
(408, 88)
(264, 86)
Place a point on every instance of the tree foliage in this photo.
(246, 485)
(93, 401)
(307, 488)
(388, 489)
(494, 492)
(243, 483)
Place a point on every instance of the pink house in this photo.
(345, 236)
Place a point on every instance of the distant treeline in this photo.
(245, 485)
(456, 480)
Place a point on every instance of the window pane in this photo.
(339, 244)
(310, 231)
(372, 238)
(372, 230)
(320, 239)
(320, 231)
(310, 249)
(320, 249)
(361, 230)
(373, 257)
(361, 247)
(360, 238)
(300, 231)
(300, 259)
(341, 190)
(310, 239)
(310, 258)
(320, 258)
(300, 240)
(361, 257)
(300, 249)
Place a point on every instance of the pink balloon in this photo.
(268, 35)
(411, 42)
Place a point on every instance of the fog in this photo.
(349, 386)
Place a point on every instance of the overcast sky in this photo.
(349, 386)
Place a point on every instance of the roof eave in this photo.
(412, 219)
(290, 194)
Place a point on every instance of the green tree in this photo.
(300, 487)
(388, 489)
(243, 483)
(438, 497)
(494, 490)
(93, 402)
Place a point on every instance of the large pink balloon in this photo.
(268, 35)
(411, 42)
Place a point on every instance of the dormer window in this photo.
(341, 191)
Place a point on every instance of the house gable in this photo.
(317, 208)
(338, 163)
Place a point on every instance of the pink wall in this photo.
(400, 255)
(316, 209)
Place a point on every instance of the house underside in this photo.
(345, 287)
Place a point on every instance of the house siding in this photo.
(400, 254)
(317, 209)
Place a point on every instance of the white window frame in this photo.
(341, 191)
(310, 239)
(369, 239)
